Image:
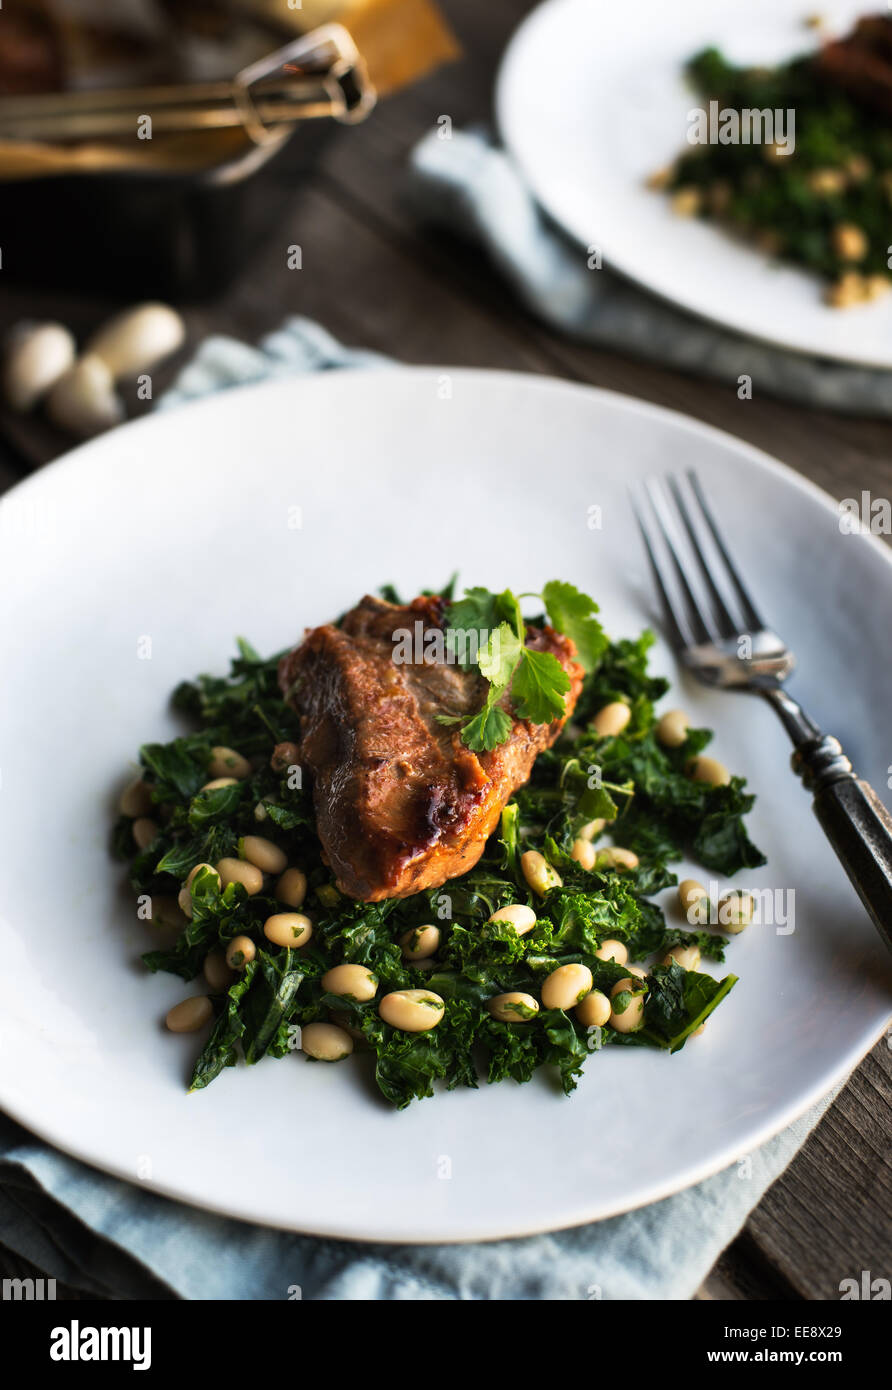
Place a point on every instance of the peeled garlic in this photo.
(138, 338)
(37, 355)
(84, 400)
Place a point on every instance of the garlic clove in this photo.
(84, 400)
(136, 339)
(37, 354)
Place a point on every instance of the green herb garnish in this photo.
(536, 681)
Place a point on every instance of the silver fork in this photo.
(716, 628)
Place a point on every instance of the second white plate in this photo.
(591, 99)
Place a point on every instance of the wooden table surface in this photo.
(377, 279)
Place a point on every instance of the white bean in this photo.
(594, 1010)
(193, 873)
(144, 831)
(614, 857)
(354, 981)
(613, 950)
(136, 799)
(710, 770)
(226, 762)
(420, 942)
(629, 1019)
(583, 852)
(514, 1007)
(688, 957)
(218, 782)
(267, 856)
(292, 887)
(412, 1010)
(566, 986)
(735, 911)
(672, 730)
(240, 952)
(690, 890)
(185, 895)
(611, 719)
(237, 871)
(538, 872)
(592, 828)
(521, 917)
(190, 1015)
(288, 929)
(325, 1042)
(694, 901)
(217, 973)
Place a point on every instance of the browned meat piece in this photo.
(862, 63)
(875, 32)
(401, 803)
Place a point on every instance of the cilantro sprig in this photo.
(537, 681)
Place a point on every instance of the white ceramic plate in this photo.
(591, 99)
(180, 530)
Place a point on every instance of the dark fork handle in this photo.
(855, 822)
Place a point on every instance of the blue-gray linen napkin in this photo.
(470, 187)
(113, 1239)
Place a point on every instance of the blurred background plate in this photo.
(591, 100)
(133, 562)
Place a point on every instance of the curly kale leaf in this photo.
(678, 1001)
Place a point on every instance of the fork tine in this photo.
(671, 615)
(698, 618)
(727, 624)
(751, 616)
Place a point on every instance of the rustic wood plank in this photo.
(743, 1274)
(830, 1216)
(12, 1266)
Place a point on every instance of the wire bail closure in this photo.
(328, 56)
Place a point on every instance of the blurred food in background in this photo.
(821, 199)
(176, 212)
